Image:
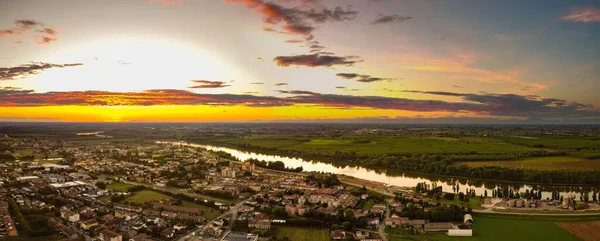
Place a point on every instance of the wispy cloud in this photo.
(295, 20)
(8, 73)
(361, 78)
(314, 60)
(45, 40)
(208, 84)
(462, 69)
(395, 18)
(257, 83)
(583, 14)
(24, 25)
(281, 84)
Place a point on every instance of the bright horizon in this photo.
(299, 60)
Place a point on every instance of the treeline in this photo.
(439, 164)
(276, 165)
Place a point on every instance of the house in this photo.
(396, 221)
(259, 223)
(228, 172)
(69, 215)
(235, 236)
(378, 208)
(460, 232)
(140, 237)
(107, 235)
(168, 232)
(373, 222)
(179, 226)
(438, 227)
(248, 166)
(338, 235)
(417, 224)
(88, 224)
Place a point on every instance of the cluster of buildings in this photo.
(73, 188)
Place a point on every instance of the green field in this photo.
(303, 234)
(556, 142)
(539, 163)
(499, 229)
(382, 144)
(208, 213)
(119, 186)
(146, 196)
(474, 202)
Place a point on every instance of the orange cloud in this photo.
(461, 69)
(45, 40)
(583, 14)
(481, 104)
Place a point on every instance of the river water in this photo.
(388, 177)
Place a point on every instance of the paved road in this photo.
(232, 211)
(381, 228)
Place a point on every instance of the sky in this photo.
(300, 60)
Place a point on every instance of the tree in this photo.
(349, 214)
(101, 185)
(485, 193)
(461, 196)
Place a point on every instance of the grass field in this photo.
(383, 144)
(540, 163)
(146, 196)
(119, 186)
(209, 213)
(473, 202)
(554, 142)
(303, 234)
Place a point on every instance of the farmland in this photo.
(382, 144)
(540, 163)
(587, 231)
(303, 234)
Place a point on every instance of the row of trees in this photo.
(440, 165)
(276, 165)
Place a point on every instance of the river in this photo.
(399, 179)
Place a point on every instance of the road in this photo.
(381, 227)
(193, 235)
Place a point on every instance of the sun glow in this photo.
(132, 64)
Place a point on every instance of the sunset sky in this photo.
(299, 60)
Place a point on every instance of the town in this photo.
(164, 191)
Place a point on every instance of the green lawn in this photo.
(496, 229)
(208, 213)
(540, 163)
(119, 186)
(146, 196)
(303, 234)
(474, 202)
